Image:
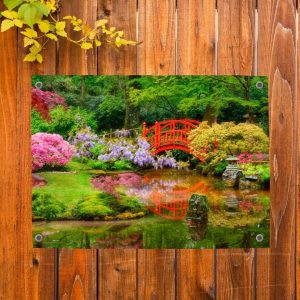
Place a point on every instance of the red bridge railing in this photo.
(171, 135)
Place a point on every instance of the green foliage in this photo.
(36, 19)
(92, 206)
(63, 122)
(100, 205)
(260, 170)
(99, 165)
(127, 101)
(45, 206)
(122, 165)
(232, 139)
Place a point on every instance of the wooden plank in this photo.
(156, 54)
(235, 274)
(196, 37)
(43, 275)
(122, 15)
(156, 274)
(72, 59)
(77, 274)
(195, 55)
(263, 66)
(118, 268)
(195, 274)
(77, 268)
(236, 33)
(277, 58)
(42, 269)
(236, 47)
(10, 254)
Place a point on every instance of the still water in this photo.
(234, 218)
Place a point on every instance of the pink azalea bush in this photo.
(50, 150)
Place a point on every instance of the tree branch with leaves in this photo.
(39, 25)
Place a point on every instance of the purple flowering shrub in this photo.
(50, 150)
(86, 143)
(114, 153)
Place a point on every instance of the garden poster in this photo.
(150, 162)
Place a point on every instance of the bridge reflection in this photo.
(173, 204)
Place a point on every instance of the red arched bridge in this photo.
(171, 135)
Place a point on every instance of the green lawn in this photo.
(68, 187)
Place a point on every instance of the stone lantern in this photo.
(232, 173)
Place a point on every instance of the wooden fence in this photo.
(245, 37)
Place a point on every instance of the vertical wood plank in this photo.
(195, 274)
(12, 267)
(72, 59)
(196, 55)
(117, 266)
(156, 274)
(236, 37)
(196, 37)
(43, 275)
(77, 268)
(117, 274)
(42, 263)
(156, 54)
(277, 58)
(235, 274)
(122, 14)
(77, 274)
(236, 47)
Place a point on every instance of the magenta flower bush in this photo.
(50, 150)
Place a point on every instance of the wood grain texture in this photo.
(235, 274)
(118, 268)
(12, 266)
(42, 264)
(72, 59)
(263, 256)
(196, 37)
(236, 46)
(77, 274)
(156, 274)
(156, 54)
(195, 274)
(236, 34)
(122, 14)
(196, 43)
(282, 88)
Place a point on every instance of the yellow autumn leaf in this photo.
(29, 33)
(120, 33)
(51, 36)
(18, 23)
(61, 33)
(7, 24)
(97, 43)
(9, 14)
(60, 26)
(28, 41)
(77, 28)
(112, 28)
(86, 45)
(100, 23)
(35, 50)
(39, 58)
(44, 26)
(92, 35)
(30, 57)
(68, 18)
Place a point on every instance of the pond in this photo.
(233, 218)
